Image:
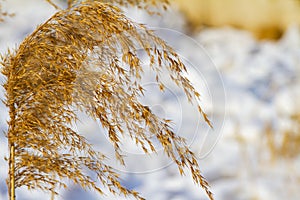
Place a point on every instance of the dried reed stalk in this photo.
(85, 58)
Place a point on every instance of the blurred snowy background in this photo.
(249, 87)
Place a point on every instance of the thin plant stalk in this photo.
(12, 195)
(11, 181)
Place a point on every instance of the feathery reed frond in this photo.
(86, 58)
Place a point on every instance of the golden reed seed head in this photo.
(85, 57)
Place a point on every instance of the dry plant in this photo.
(86, 58)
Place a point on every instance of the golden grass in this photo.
(85, 58)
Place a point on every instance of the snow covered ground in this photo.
(246, 85)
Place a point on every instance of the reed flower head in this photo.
(86, 58)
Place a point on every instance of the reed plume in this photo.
(86, 58)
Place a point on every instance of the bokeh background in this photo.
(244, 58)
